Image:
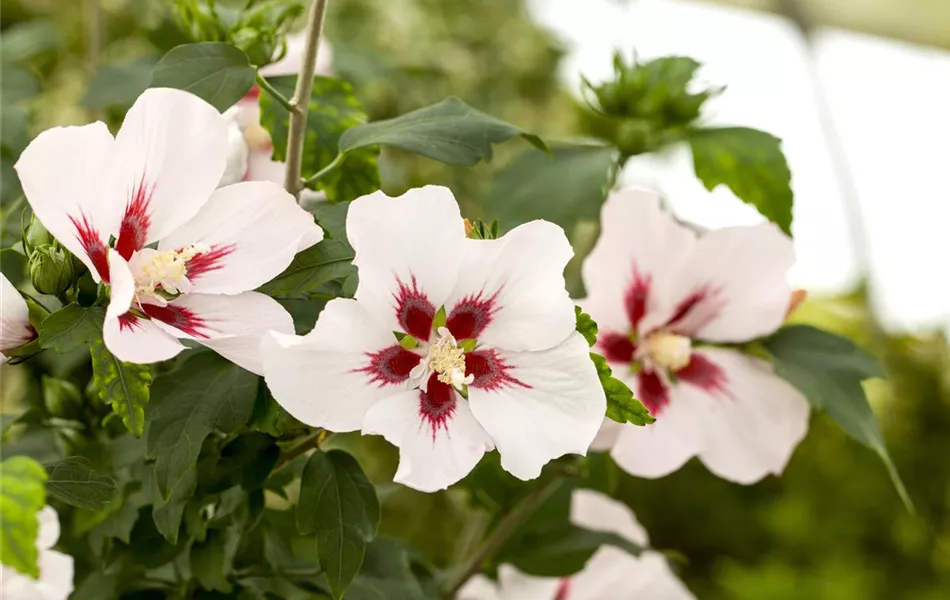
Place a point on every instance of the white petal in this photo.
(172, 150)
(741, 274)
(410, 242)
(290, 63)
(556, 409)
(607, 435)
(637, 236)
(56, 576)
(598, 512)
(613, 573)
(237, 162)
(517, 281)
(260, 167)
(65, 173)
(253, 229)
(430, 459)
(512, 585)
(49, 528)
(753, 426)
(320, 378)
(15, 328)
(232, 326)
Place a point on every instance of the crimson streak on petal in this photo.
(207, 261)
(652, 392)
(635, 300)
(178, 317)
(128, 322)
(617, 347)
(390, 365)
(414, 311)
(471, 316)
(437, 404)
(96, 251)
(704, 374)
(489, 371)
(135, 223)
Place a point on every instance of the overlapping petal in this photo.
(15, 328)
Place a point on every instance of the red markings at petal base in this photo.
(617, 347)
(563, 590)
(652, 392)
(390, 365)
(635, 299)
(414, 311)
(91, 242)
(471, 316)
(207, 261)
(128, 322)
(437, 404)
(705, 374)
(135, 223)
(489, 371)
(695, 311)
(178, 317)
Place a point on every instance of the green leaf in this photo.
(586, 326)
(211, 559)
(70, 327)
(216, 72)
(333, 109)
(73, 481)
(451, 132)
(751, 163)
(622, 407)
(123, 385)
(329, 260)
(119, 85)
(564, 188)
(245, 461)
(386, 573)
(339, 504)
(167, 512)
(828, 370)
(26, 40)
(206, 393)
(22, 495)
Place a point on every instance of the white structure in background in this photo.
(888, 101)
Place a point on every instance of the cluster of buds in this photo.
(53, 270)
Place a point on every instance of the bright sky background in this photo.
(890, 103)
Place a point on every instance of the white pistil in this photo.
(668, 350)
(158, 273)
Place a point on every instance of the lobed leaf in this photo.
(123, 385)
(622, 407)
(70, 327)
(22, 495)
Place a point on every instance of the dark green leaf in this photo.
(246, 461)
(750, 162)
(622, 407)
(564, 188)
(22, 495)
(828, 370)
(167, 512)
(332, 218)
(123, 385)
(211, 559)
(333, 109)
(205, 394)
(73, 481)
(585, 325)
(70, 327)
(217, 72)
(339, 504)
(386, 573)
(330, 260)
(451, 132)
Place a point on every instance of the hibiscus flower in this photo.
(609, 574)
(15, 327)
(663, 296)
(56, 569)
(450, 348)
(184, 254)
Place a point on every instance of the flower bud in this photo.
(36, 234)
(51, 270)
(259, 45)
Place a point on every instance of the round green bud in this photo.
(51, 270)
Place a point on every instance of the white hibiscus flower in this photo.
(155, 182)
(487, 318)
(15, 327)
(611, 573)
(657, 289)
(56, 569)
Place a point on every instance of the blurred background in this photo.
(858, 90)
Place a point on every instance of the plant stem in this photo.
(301, 99)
(308, 443)
(503, 532)
(322, 172)
(280, 98)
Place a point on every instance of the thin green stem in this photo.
(502, 533)
(301, 99)
(276, 95)
(322, 172)
(310, 442)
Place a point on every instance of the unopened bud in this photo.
(51, 270)
(36, 234)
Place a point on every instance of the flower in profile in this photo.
(451, 347)
(611, 573)
(56, 569)
(185, 255)
(663, 297)
(15, 327)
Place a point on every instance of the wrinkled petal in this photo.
(253, 230)
(734, 286)
(538, 406)
(510, 292)
(238, 152)
(408, 251)
(171, 152)
(15, 328)
(431, 457)
(331, 376)
(754, 423)
(232, 326)
(64, 174)
(634, 264)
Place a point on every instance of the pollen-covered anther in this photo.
(448, 360)
(668, 350)
(163, 271)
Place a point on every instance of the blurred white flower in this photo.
(15, 328)
(56, 569)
